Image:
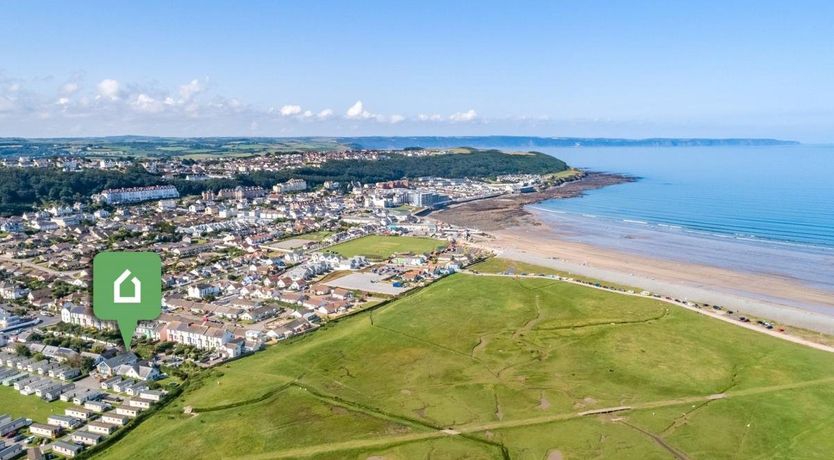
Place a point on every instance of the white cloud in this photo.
(396, 118)
(148, 104)
(63, 101)
(190, 89)
(430, 117)
(469, 115)
(325, 114)
(357, 111)
(290, 110)
(70, 88)
(108, 88)
(307, 114)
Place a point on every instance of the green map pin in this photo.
(127, 288)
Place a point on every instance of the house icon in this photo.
(117, 289)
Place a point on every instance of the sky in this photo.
(319, 68)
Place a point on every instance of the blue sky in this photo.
(555, 68)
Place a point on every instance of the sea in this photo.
(761, 209)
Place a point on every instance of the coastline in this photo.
(508, 210)
(526, 236)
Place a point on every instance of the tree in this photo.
(87, 364)
(22, 350)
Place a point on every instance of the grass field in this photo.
(380, 247)
(499, 265)
(508, 364)
(17, 405)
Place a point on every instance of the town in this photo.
(243, 268)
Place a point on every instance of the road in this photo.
(30, 264)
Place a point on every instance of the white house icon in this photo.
(117, 289)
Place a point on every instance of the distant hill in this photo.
(379, 142)
(220, 146)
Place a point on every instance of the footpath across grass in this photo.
(489, 367)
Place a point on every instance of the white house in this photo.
(201, 291)
(203, 337)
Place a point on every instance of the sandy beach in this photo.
(773, 297)
(516, 230)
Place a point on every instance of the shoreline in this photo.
(508, 210)
(518, 234)
(771, 297)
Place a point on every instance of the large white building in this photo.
(292, 185)
(137, 194)
(83, 316)
(203, 337)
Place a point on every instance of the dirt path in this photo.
(679, 455)
(472, 429)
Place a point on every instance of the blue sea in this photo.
(778, 193)
(760, 209)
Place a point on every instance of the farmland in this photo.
(487, 367)
(379, 247)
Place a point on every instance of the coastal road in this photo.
(705, 312)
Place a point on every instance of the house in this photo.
(85, 437)
(45, 431)
(63, 421)
(110, 383)
(115, 419)
(234, 348)
(202, 290)
(8, 452)
(102, 428)
(12, 291)
(83, 316)
(96, 406)
(8, 425)
(152, 395)
(108, 366)
(320, 289)
(78, 412)
(40, 298)
(128, 411)
(342, 294)
(140, 370)
(259, 313)
(203, 337)
(139, 403)
(82, 397)
(66, 449)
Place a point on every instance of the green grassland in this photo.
(380, 247)
(15, 404)
(508, 266)
(508, 364)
